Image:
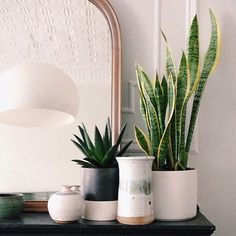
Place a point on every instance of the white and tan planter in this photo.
(175, 194)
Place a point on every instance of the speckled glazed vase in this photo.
(135, 198)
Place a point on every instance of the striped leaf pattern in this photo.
(210, 63)
(163, 103)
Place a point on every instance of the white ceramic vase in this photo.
(175, 194)
(66, 205)
(135, 198)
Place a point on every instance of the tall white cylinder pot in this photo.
(175, 194)
(135, 197)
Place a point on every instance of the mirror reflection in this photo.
(73, 36)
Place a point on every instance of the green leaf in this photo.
(118, 141)
(183, 87)
(210, 63)
(142, 140)
(155, 134)
(170, 67)
(164, 89)
(84, 150)
(123, 149)
(99, 147)
(84, 164)
(93, 161)
(163, 146)
(107, 138)
(88, 140)
(160, 103)
(110, 156)
(193, 54)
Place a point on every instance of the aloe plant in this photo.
(102, 153)
(163, 102)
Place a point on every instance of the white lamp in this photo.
(34, 94)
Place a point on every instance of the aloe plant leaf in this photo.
(210, 63)
(93, 161)
(84, 164)
(170, 67)
(163, 146)
(82, 148)
(99, 147)
(118, 141)
(88, 140)
(110, 156)
(123, 149)
(107, 136)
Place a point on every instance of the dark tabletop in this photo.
(42, 224)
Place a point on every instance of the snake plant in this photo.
(164, 101)
(102, 153)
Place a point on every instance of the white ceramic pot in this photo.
(66, 205)
(135, 198)
(175, 194)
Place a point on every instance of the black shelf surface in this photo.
(42, 224)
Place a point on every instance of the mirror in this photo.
(82, 38)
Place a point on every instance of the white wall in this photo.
(213, 152)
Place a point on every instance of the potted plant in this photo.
(100, 174)
(163, 106)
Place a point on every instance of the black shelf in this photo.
(41, 224)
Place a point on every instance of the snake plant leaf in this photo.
(142, 100)
(163, 146)
(147, 86)
(183, 160)
(160, 103)
(193, 54)
(142, 140)
(182, 90)
(84, 164)
(210, 63)
(110, 156)
(123, 149)
(164, 87)
(98, 141)
(170, 66)
(155, 132)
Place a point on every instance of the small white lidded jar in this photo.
(66, 205)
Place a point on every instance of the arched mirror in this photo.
(82, 38)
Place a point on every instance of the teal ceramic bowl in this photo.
(11, 205)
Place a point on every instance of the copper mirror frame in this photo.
(105, 7)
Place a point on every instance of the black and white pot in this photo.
(175, 194)
(100, 191)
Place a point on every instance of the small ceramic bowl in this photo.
(11, 205)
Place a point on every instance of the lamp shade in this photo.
(34, 94)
